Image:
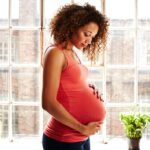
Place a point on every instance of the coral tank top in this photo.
(78, 99)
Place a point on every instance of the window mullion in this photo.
(41, 54)
(103, 4)
(136, 55)
(104, 130)
(10, 78)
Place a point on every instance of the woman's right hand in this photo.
(91, 128)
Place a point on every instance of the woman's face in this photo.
(84, 35)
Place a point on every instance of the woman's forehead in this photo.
(90, 27)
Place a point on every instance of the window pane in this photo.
(120, 12)
(25, 84)
(25, 46)
(48, 39)
(143, 47)
(96, 78)
(25, 120)
(143, 15)
(144, 86)
(51, 8)
(96, 3)
(3, 12)
(99, 60)
(3, 84)
(120, 47)
(4, 46)
(46, 118)
(3, 121)
(147, 130)
(113, 124)
(120, 86)
(25, 13)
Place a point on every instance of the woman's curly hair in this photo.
(71, 17)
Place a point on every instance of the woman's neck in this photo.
(67, 46)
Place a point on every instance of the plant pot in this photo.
(134, 143)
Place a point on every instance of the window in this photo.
(127, 64)
(20, 71)
(122, 72)
(4, 52)
(4, 46)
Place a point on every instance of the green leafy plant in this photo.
(134, 123)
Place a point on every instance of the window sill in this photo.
(96, 144)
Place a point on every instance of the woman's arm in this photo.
(53, 65)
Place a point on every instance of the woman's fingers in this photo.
(99, 124)
(92, 128)
(92, 86)
(96, 92)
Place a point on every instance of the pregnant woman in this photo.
(76, 111)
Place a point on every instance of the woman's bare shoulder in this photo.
(54, 54)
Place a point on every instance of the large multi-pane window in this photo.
(121, 73)
(127, 63)
(20, 80)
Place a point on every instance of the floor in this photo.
(96, 144)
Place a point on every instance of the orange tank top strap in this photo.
(77, 57)
(49, 47)
(68, 58)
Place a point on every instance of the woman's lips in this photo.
(84, 45)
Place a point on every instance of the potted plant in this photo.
(134, 124)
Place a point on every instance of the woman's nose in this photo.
(89, 40)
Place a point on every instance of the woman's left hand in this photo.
(96, 92)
